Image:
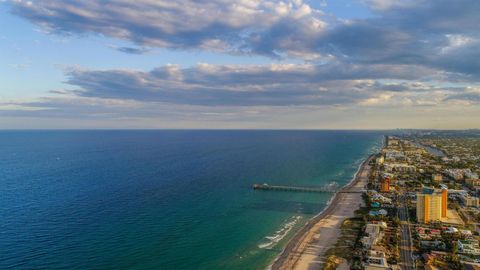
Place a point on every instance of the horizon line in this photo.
(234, 129)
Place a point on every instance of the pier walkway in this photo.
(327, 188)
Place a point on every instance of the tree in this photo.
(454, 247)
(396, 221)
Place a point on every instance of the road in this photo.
(406, 244)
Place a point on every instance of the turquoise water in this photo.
(163, 199)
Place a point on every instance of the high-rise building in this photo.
(444, 202)
(432, 205)
(385, 185)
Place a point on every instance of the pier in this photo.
(332, 187)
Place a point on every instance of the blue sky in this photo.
(245, 64)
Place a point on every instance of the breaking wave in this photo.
(280, 234)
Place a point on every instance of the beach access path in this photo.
(307, 248)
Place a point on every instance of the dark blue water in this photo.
(163, 199)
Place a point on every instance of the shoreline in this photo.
(296, 246)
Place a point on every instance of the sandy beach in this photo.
(306, 249)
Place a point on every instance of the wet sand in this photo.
(306, 249)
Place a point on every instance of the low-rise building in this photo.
(392, 141)
(471, 265)
(394, 156)
(466, 233)
(455, 174)
(380, 160)
(374, 235)
(470, 175)
(376, 263)
(374, 196)
(415, 152)
(399, 167)
(450, 230)
(472, 182)
(470, 201)
(461, 174)
(381, 212)
(469, 247)
(437, 178)
(428, 233)
(433, 244)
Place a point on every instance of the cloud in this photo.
(382, 5)
(131, 50)
(72, 110)
(205, 86)
(439, 34)
(469, 95)
(239, 85)
(378, 110)
(174, 97)
(216, 91)
(218, 25)
(409, 54)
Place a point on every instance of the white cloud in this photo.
(456, 41)
(382, 5)
(403, 59)
(216, 25)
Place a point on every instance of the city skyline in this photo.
(365, 64)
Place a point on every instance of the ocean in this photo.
(163, 199)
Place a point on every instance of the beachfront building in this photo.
(377, 262)
(375, 197)
(373, 234)
(432, 205)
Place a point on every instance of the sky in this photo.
(246, 64)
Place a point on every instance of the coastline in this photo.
(294, 255)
